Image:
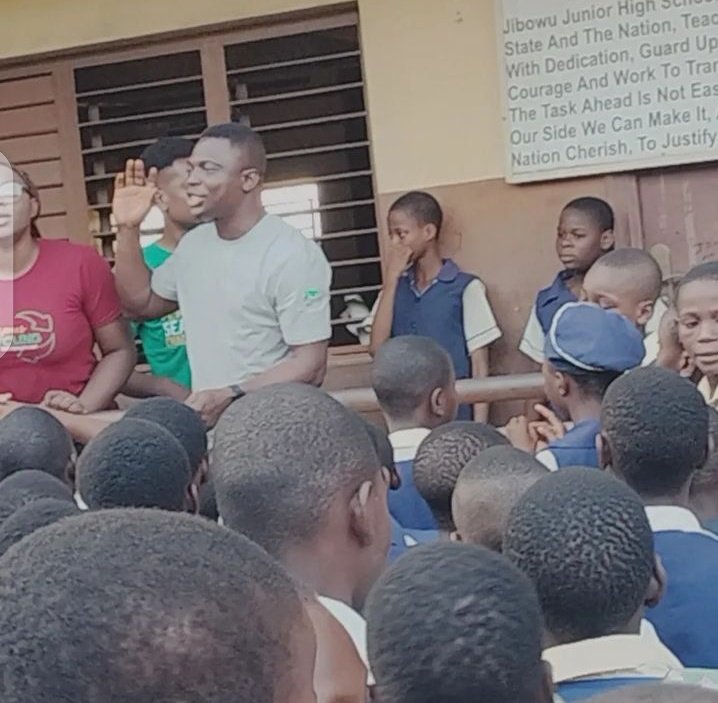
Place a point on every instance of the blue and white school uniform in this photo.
(576, 448)
(454, 311)
(687, 618)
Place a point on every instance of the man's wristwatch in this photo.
(236, 391)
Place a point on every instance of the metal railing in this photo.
(528, 386)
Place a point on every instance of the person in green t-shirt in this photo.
(163, 339)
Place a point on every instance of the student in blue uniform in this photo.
(427, 295)
(441, 458)
(585, 233)
(584, 539)
(587, 348)
(413, 379)
(655, 437)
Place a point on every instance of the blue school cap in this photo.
(585, 338)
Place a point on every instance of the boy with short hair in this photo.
(427, 295)
(486, 491)
(441, 458)
(585, 233)
(587, 348)
(163, 339)
(457, 624)
(584, 540)
(655, 437)
(629, 281)
(414, 382)
(136, 464)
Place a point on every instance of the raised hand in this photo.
(134, 194)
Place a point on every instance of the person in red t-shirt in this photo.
(57, 301)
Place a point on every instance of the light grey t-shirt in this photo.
(246, 302)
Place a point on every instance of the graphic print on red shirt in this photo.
(48, 343)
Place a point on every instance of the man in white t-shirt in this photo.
(254, 291)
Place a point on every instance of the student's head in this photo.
(150, 607)
(587, 348)
(584, 540)
(414, 381)
(585, 233)
(181, 422)
(697, 309)
(27, 486)
(658, 693)
(228, 165)
(456, 623)
(31, 438)
(486, 491)
(170, 156)
(626, 280)
(31, 517)
(441, 458)
(654, 432)
(136, 464)
(297, 473)
(19, 203)
(415, 221)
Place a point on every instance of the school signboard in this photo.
(610, 85)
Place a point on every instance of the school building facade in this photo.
(357, 102)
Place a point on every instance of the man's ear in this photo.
(608, 240)
(437, 402)
(252, 179)
(657, 585)
(687, 365)
(161, 201)
(360, 514)
(644, 312)
(603, 449)
(430, 232)
(562, 383)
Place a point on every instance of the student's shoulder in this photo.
(195, 238)
(286, 244)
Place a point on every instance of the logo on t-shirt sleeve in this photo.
(31, 337)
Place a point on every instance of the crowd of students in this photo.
(237, 534)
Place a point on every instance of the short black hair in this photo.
(707, 271)
(31, 517)
(26, 486)
(454, 623)
(486, 491)
(144, 606)
(134, 464)
(441, 458)
(655, 424)
(31, 438)
(658, 693)
(600, 212)
(422, 206)
(584, 539)
(642, 268)
(179, 420)
(406, 370)
(281, 457)
(242, 137)
(165, 151)
(594, 384)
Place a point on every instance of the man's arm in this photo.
(133, 198)
(146, 385)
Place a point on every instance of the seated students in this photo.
(440, 460)
(697, 309)
(655, 437)
(457, 624)
(414, 381)
(31, 438)
(585, 233)
(313, 494)
(31, 517)
(136, 464)
(427, 295)
(587, 348)
(149, 607)
(27, 486)
(486, 491)
(704, 487)
(584, 540)
(629, 281)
